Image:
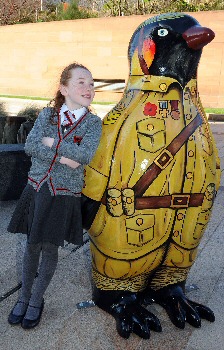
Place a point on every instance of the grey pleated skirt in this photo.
(46, 218)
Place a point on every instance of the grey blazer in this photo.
(78, 143)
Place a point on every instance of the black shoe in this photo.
(16, 319)
(28, 324)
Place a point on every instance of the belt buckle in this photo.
(180, 200)
(163, 159)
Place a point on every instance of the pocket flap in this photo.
(150, 126)
(140, 222)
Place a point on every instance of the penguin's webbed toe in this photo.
(179, 308)
(203, 311)
(134, 318)
(130, 316)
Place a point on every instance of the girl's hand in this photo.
(48, 141)
(71, 163)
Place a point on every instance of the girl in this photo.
(63, 140)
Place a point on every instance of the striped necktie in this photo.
(69, 121)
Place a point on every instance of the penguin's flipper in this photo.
(130, 316)
(180, 309)
(89, 209)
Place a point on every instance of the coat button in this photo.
(180, 216)
(163, 87)
(150, 127)
(191, 153)
(139, 221)
(189, 175)
(176, 233)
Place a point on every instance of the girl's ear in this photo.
(63, 90)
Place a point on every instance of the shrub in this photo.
(3, 112)
(30, 113)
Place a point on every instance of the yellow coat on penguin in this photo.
(129, 244)
(156, 172)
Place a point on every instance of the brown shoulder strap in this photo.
(165, 157)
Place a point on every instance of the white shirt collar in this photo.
(77, 112)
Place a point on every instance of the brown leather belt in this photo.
(174, 201)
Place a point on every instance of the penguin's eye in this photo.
(162, 32)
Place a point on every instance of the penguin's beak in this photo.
(197, 37)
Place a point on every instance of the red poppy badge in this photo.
(150, 109)
(77, 139)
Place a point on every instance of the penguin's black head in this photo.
(168, 45)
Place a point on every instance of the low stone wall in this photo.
(216, 117)
(14, 167)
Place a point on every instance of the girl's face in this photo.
(79, 91)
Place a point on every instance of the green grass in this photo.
(26, 97)
(35, 98)
(215, 110)
(207, 110)
(103, 103)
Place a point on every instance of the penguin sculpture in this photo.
(150, 188)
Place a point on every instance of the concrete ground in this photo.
(64, 327)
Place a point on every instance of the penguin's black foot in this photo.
(180, 309)
(130, 316)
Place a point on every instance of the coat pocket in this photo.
(151, 134)
(140, 229)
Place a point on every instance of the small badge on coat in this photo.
(150, 109)
(77, 139)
